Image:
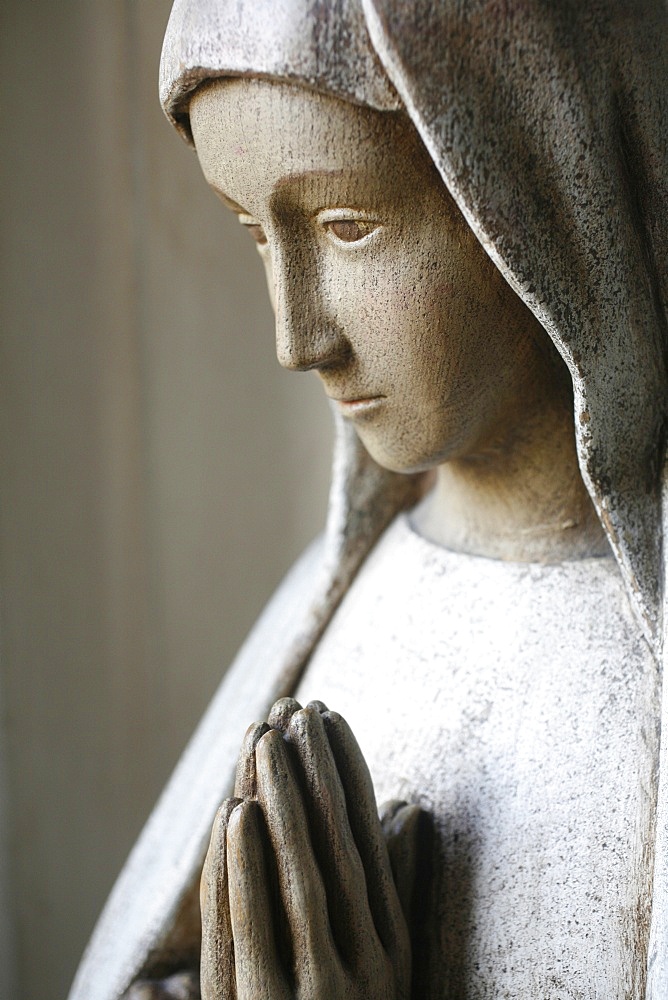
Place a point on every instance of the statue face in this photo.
(377, 283)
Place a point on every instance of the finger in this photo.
(259, 975)
(409, 835)
(336, 851)
(319, 706)
(217, 969)
(363, 817)
(404, 829)
(245, 785)
(300, 882)
(281, 713)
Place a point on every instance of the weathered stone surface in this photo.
(531, 145)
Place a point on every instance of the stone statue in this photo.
(461, 208)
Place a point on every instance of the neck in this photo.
(520, 498)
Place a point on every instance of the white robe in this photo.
(518, 704)
(583, 613)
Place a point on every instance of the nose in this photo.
(307, 333)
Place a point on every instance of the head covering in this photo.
(323, 44)
(549, 125)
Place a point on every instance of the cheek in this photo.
(431, 321)
(407, 309)
(420, 311)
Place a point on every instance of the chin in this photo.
(406, 461)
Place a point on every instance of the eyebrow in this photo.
(304, 175)
(299, 175)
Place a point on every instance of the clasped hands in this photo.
(305, 890)
(299, 901)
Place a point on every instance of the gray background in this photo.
(158, 471)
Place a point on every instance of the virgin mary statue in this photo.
(462, 209)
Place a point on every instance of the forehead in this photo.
(254, 136)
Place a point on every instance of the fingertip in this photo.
(243, 821)
(269, 749)
(245, 782)
(332, 719)
(339, 734)
(405, 820)
(277, 774)
(242, 810)
(255, 728)
(224, 811)
(388, 810)
(301, 720)
(319, 706)
(281, 712)
(307, 731)
(220, 823)
(272, 738)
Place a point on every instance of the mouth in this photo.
(359, 405)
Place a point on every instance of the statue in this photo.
(462, 212)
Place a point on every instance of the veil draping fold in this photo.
(549, 125)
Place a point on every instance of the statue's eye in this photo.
(350, 230)
(256, 231)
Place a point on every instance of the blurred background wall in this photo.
(158, 471)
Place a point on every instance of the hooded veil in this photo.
(549, 126)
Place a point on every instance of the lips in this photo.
(353, 401)
(357, 405)
(351, 398)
